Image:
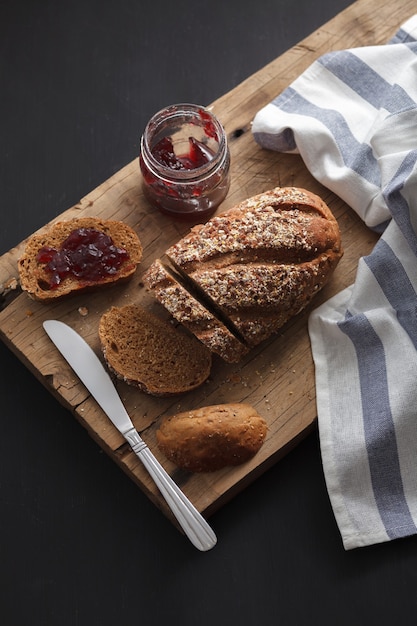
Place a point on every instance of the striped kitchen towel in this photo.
(352, 116)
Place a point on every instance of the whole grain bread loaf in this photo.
(42, 274)
(256, 265)
(210, 438)
(150, 353)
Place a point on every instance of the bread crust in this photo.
(212, 437)
(261, 262)
(34, 279)
(283, 225)
(260, 298)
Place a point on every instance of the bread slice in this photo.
(151, 354)
(38, 282)
(261, 262)
(192, 312)
(212, 437)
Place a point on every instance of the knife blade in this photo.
(90, 370)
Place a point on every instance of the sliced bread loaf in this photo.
(149, 353)
(259, 263)
(78, 254)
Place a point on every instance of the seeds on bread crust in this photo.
(283, 225)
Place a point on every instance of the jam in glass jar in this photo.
(185, 161)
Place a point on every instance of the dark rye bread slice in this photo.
(261, 262)
(190, 309)
(145, 351)
(35, 280)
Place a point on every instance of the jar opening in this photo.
(183, 142)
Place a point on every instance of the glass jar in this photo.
(185, 161)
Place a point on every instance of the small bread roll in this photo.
(212, 437)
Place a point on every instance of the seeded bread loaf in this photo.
(116, 259)
(256, 265)
(212, 437)
(151, 354)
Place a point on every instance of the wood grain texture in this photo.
(277, 378)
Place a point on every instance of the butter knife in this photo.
(96, 379)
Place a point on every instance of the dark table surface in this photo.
(79, 543)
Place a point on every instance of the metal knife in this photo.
(96, 379)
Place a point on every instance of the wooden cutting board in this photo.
(277, 378)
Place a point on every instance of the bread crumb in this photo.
(83, 311)
(11, 284)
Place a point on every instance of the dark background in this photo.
(79, 543)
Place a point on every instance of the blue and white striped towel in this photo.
(352, 116)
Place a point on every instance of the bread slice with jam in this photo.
(76, 255)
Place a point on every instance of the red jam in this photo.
(209, 126)
(185, 162)
(87, 254)
(199, 154)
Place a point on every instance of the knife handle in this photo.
(191, 521)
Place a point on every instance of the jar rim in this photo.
(163, 119)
